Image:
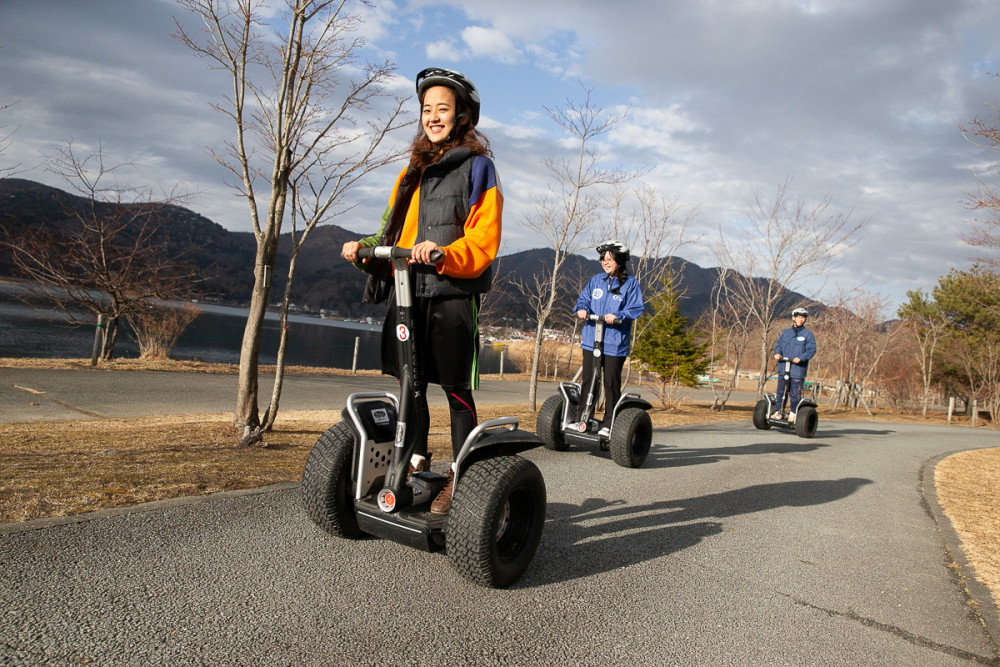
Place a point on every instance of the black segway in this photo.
(356, 480)
(567, 417)
(806, 417)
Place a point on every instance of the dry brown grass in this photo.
(968, 488)
(63, 468)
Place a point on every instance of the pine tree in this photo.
(667, 347)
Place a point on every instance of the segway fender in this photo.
(496, 437)
(636, 402)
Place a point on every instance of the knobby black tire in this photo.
(631, 437)
(806, 420)
(496, 520)
(326, 483)
(548, 424)
(760, 414)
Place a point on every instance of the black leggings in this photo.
(612, 367)
(447, 335)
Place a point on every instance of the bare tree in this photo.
(729, 335)
(984, 132)
(110, 254)
(855, 339)
(565, 218)
(297, 148)
(782, 241)
(5, 141)
(157, 326)
(655, 229)
(928, 326)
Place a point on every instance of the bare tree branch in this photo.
(782, 242)
(298, 147)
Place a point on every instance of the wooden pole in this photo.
(354, 363)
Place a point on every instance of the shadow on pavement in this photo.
(600, 535)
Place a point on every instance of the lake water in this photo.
(214, 336)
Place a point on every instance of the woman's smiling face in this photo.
(437, 113)
(608, 263)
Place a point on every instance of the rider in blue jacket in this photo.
(798, 344)
(616, 296)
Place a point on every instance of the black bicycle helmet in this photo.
(438, 76)
(800, 311)
(617, 247)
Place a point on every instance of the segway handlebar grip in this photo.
(594, 317)
(394, 252)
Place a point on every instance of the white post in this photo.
(354, 363)
(98, 339)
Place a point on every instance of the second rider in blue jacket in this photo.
(617, 297)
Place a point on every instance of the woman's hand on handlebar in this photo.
(610, 318)
(423, 250)
(350, 252)
(582, 314)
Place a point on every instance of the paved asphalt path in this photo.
(731, 546)
(28, 395)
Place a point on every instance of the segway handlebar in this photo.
(394, 252)
(594, 317)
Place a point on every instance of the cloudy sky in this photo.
(853, 101)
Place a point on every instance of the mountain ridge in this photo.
(225, 259)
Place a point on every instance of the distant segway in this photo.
(806, 417)
(566, 418)
(356, 480)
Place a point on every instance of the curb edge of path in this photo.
(981, 602)
(51, 522)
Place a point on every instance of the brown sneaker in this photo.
(442, 504)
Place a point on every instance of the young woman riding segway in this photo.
(608, 304)
(371, 473)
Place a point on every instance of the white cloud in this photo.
(853, 100)
(491, 43)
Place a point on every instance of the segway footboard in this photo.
(414, 527)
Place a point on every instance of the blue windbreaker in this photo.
(797, 342)
(598, 299)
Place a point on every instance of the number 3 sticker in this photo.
(402, 333)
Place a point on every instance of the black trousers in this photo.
(612, 368)
(446, 331)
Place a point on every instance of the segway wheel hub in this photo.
(386, 500)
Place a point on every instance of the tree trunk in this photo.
(535, 357)
(110, 339)
(247, 416)
(279, 373)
